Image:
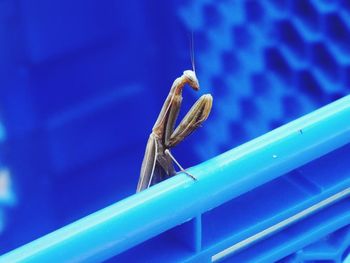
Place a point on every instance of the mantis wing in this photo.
(148, 164)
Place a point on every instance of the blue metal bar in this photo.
(133, 220)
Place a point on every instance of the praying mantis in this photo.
(157, 164)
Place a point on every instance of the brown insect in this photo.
(157, 164)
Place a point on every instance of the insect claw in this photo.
(190, 175)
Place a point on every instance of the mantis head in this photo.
(191, 79)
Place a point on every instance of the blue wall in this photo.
(81, 83)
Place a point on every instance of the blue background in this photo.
(82, 82)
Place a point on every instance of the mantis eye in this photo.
(190, 74)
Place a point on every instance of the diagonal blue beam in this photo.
(133, 220)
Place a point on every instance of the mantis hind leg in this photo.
(167, 152)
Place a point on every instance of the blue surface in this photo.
(282, 168)
(78, 100)
(81, 84)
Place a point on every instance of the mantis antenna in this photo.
(192, 52)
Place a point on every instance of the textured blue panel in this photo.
(267, 62)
